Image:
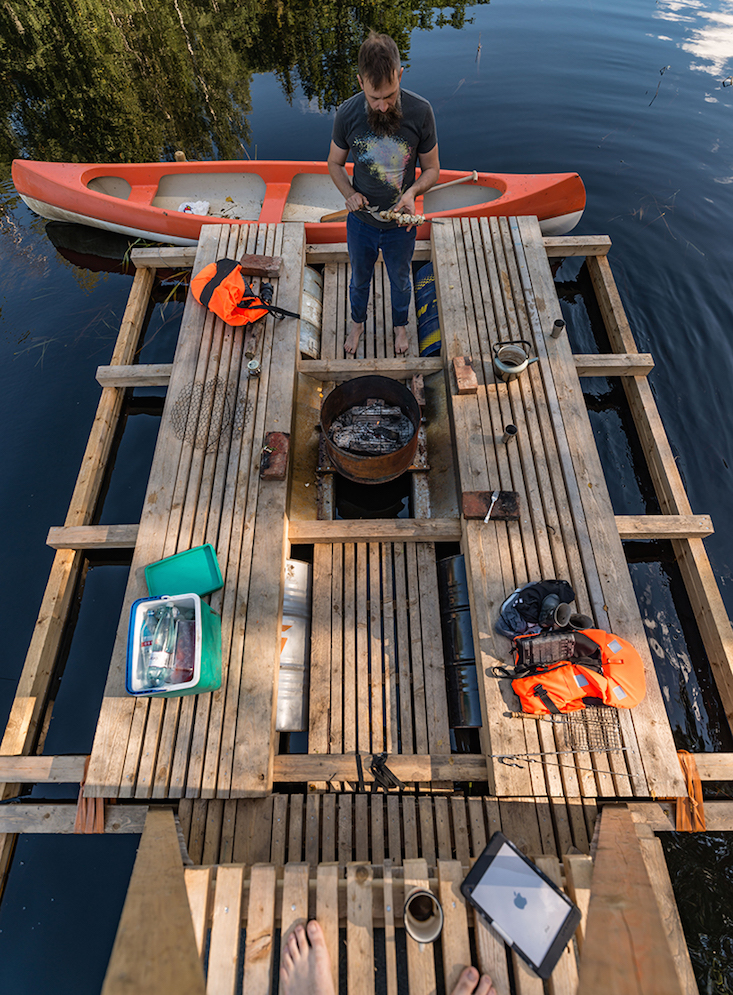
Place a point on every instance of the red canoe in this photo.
(145, 199)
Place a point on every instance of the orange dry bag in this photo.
(221, 288)
(567, 671)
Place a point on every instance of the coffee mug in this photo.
(423, 916)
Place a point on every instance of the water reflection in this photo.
(710, 43)
(91, 82)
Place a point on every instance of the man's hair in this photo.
(379, 59)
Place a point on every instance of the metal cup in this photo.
(423, 916)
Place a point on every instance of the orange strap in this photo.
(690, 811)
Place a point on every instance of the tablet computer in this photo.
(527, 910)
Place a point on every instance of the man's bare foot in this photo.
(401, 342)
(305, 969)
(352, 342)
(470, 983)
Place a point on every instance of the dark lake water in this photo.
(633, 94)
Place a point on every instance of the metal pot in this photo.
(380, 468)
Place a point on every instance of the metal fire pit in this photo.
(370, 469)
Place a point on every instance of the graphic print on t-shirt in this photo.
(386, 158)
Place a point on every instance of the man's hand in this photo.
(356, 201)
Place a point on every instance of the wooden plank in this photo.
(564, 978)
(442, 828)
(349, 651)
(279, 827)
(579, 877)
(376, 662)
(255, 737)
(295, 829)
(377, 821)
(460, 830)
(345, 838)
(258, 950)
(454, 938)
(361, 828)
(427, 830)
(624, 364)
(43, 817)
(362, 700)
(327, 913)
(165, 257)
(42, 770)
(338, 674)
(390, 952)
(228, 827)
(329, 829)
(436, 696)
(397, 368)
(420, 957)
(625, 947)
(295, 898)
(312, 828)
(713, 766)
(409, 825)
(212, 838)
(320, 655)
(492, 957)
(226, 931)
(155, 946)
(664, 526)
(337, 252)
(198, 888)
(359, 930)
(143, 375)
(656, 865)
(92, 537)
(423, 767)
(576, 245)
(394, 830)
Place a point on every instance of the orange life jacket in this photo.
(567, 671)
(221, 288)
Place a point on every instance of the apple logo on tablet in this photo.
(519, 900)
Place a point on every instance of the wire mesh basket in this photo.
(591, 730)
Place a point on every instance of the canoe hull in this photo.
(142, 199)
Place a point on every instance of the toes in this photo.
(485, 986)
(466, 982)
(315, 934)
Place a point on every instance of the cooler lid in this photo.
(192, 570)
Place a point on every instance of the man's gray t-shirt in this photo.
(384, 165)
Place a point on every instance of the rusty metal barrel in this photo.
(364, 468)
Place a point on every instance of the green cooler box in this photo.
(173, 653)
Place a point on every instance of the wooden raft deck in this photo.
(377, 674)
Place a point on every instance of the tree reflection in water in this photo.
(133, 80)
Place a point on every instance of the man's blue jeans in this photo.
(397, 245)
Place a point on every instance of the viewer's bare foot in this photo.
(470, 983)
(352, 342)
(401, 342)
(305, 969)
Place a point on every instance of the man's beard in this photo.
(387, 122)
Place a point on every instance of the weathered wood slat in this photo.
(40, 817)
(625, 947)
(576, 245)
(664, 526)
(639, 364)
(42, 770)
(163, 257)
(376, 530)
(342, 767)
(338, 370)
(146, 375)
(92, 537)
(155, 947)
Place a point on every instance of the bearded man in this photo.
(387, 130)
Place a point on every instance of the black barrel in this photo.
(464, 708)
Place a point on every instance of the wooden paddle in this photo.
(468, 178)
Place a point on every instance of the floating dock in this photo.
(275, 836)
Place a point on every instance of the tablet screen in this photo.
(526, 908)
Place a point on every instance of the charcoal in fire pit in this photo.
(372, 429)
